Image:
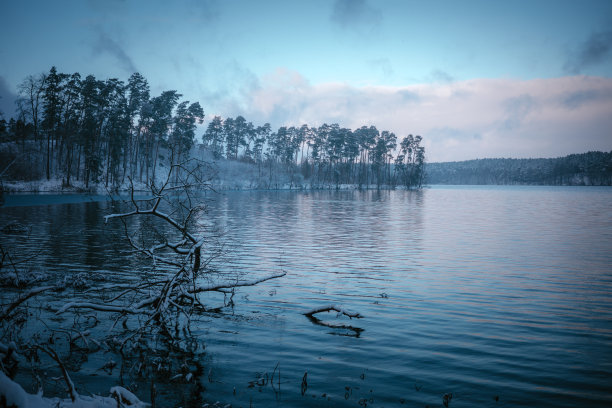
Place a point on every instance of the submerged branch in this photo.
(23, 298)
(108, 307)
(169, 294)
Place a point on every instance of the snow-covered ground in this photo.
(15, 396)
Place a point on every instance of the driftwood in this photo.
(333, 308)
(340, 311)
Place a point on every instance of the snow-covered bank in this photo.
(222, 175)
(219, 183)
(45, 186)
(13, 395)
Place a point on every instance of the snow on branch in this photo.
(96, 306)
(107, 307)
(230, 285)
(125, 397)
(15, 396)
(334, 308)
(138, 308)
(74, 396)
(153, 211)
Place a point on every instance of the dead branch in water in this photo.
(155, 306)
(333, 308)
(171, 231)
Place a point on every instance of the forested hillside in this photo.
(592, 168)
(89, 133)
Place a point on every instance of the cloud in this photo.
(577, 99)
(408, 95)
(517, 109)
(458, 120)
(7, 100)
(105, 44)
(445, 133)
(230, 92)
(355, 14)
(595, 50)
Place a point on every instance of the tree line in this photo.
(96, 130)
(592, 168)
(104, 131)
(328, 154)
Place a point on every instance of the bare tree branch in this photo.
(71, 389)
(314, 319)
(23, 298)
(335, 309)
(229, 285)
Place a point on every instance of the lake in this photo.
(500, 296)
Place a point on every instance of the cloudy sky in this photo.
(475, 78)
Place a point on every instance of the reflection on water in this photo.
(486, 293)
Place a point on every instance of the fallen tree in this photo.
(173, 245)
(150, 316)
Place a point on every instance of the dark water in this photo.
(498, 295)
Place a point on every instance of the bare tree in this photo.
(30, 100)
(175, 205)
(151, 315)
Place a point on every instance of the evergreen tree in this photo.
(137, 99)
(91, 128)
(160, 127)
(230, 136)
(185, 120)
(51, 113)
(213, 138)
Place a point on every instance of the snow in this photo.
(227, 175)
(21, 278)
(19, 398)
(126, 397)
(15, 395)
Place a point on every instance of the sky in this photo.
(476, 79)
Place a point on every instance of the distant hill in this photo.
(592, 168)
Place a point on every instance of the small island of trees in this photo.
(86, 131)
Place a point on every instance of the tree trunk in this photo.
(48, 156)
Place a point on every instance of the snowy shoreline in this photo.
(55, 186)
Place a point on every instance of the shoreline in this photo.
(55, 186)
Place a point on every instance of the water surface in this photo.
(498, 295)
